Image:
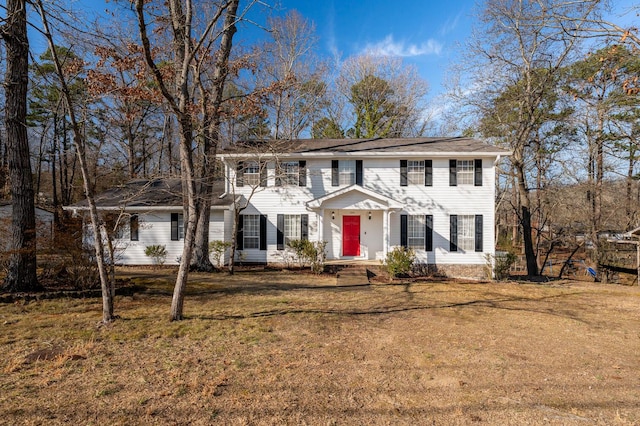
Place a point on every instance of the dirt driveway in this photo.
(280, 350)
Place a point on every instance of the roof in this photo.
(435, 146)
(151, 193)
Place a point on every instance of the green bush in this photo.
(307, 252)
(399, 261)
(501, 264)
(217, 249)
(158, 253)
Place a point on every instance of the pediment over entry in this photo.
(355, 197)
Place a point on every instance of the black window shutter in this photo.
(278, 175)
(403, 172)
(302, 173)
(239, 233)
(174, 226)
(477, 176)
(359, 172)
(335, 178)
(428, 173)
(453, 176)
(304, 225)
(453, 232)
(403, 230)
(428, 232)
(240, 174)
(263, 173)
(263, 232)
(479, 232)
(280, 233)
(134, 226)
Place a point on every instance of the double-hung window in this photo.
(290, 172)
(251, 231)
(415, 172)
(466, 233)
(465, 172)
(291, 227)
(251, 173)
(134, 227)
(416, 231)
(347, 172)
(177, 226)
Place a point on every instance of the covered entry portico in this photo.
(354, 221)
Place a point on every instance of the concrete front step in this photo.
(352, 275)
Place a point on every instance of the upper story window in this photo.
(290, 174)
(465, 172)
(251, 173)
(346, 172)
(416, 172)
(464, 169)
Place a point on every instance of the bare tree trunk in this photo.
(21, 275)
(211, 139)
(106, 285)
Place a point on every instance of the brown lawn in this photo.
(285, 348)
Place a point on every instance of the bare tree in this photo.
(81, 149)
(21, 275)
(519, 50)
(186, 52)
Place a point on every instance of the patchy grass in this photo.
(288, 348)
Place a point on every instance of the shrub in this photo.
(500, 264)
(307, 252)
(399, 261)
(157, 252)
(217, 249)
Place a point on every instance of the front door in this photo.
(351, 235)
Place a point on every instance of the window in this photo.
(347, 172)
(177, 226)
(466, 233)
(134, 227)
(465, 172)
(251, 231)
(415, 172)
(251, 173)
(292, 227)
(416, 231)
(290, 172)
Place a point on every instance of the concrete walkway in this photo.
(352, 275)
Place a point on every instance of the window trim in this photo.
(427, 239)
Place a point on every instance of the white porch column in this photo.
(320, 216)
(385, 233)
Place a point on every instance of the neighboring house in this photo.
(363, 197)
(44, 226)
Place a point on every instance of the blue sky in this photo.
(423, 33)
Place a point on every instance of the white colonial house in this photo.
(361, 196)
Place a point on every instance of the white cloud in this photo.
(449, 25)
(389, 47)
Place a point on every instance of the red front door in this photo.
(351, 235)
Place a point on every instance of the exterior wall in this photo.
(155, 229)
(381, 175)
